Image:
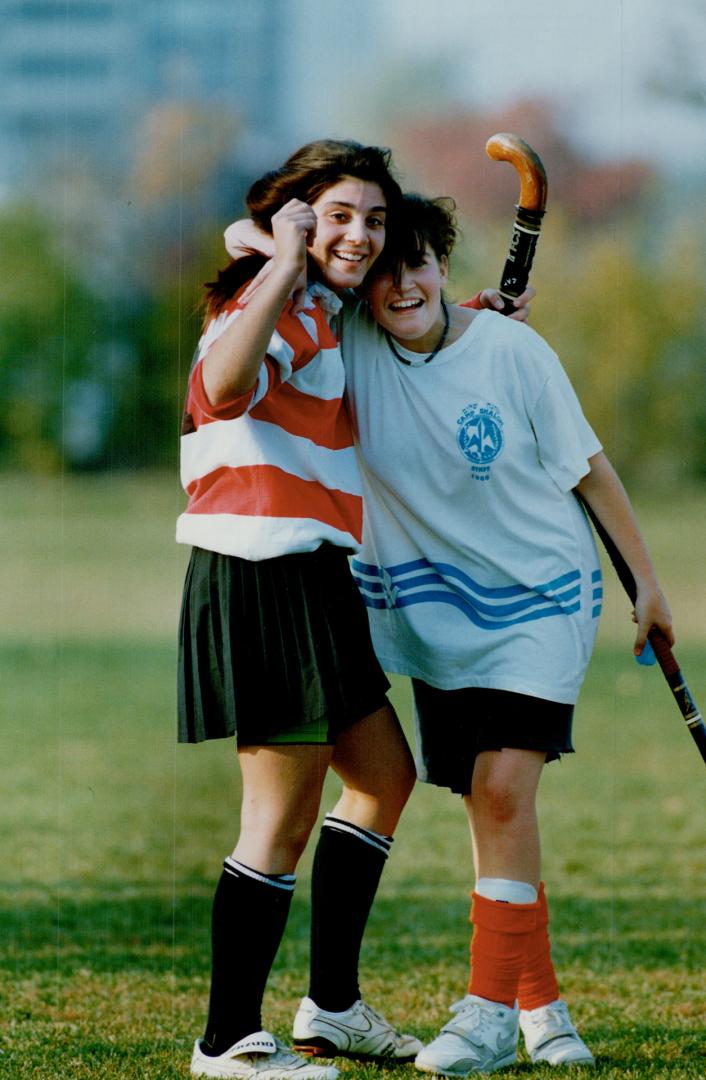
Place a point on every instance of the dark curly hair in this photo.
(421, 221)
(307, 173)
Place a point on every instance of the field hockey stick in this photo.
(530, 210)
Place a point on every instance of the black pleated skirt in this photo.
(276, 651)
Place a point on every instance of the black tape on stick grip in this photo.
(678, 685)
(518, 264)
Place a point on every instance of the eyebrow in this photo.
(352, 206)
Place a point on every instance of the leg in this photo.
(538, 984)
(505, 814)
(281, 795)
(502, 814)
(503, 819)
(483, 1034)
(373, 760)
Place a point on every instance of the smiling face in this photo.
(350, 231)
(410, 309)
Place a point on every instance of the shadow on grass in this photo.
(120, 929)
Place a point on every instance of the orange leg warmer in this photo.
(538, 984)
(501, 933)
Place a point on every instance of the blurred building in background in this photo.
(78, 76)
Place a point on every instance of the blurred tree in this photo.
(92, 378)
(49, 324)
(98, 298)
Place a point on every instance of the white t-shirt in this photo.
(478, 565)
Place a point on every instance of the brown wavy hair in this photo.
(305, 175)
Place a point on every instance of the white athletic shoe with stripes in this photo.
(481, 1038)
(551, 1037)
(259, 1056)
(357, 1032)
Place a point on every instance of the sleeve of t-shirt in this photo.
(565, 439)
(201, 409)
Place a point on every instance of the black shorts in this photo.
(276, 651)
(454, 726)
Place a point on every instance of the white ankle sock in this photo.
(507, 891)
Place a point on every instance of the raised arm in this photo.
(231, 365)
(605, 494)
(243, 236)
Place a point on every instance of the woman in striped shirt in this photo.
(274, 642)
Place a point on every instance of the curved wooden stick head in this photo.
(533, 178)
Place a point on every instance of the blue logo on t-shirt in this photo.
(480, 436)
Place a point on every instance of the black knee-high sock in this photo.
(346, 873)
(249, 916)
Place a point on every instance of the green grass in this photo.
(112, 835)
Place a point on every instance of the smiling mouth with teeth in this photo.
(348, 256)
(406, 305)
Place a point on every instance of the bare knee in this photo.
(270, 843)
(281, 797)
(499, 801)
(378, 810)
(376, 801)
(504, 785)
(374, 762)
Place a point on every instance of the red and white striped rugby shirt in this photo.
(273, 471)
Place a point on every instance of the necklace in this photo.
(437, 348)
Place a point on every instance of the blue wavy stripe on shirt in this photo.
(533, 600)
(448, 570)
(423, 564)
(432, 596)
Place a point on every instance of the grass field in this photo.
(112, 835)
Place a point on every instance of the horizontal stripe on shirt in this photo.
(271, 492)
(246, 537)
(238, 443)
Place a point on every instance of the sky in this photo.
(594, 60)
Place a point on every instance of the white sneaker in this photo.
(260, 1056)
(482, 1037)
(550, 1036)
(357, 1032)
